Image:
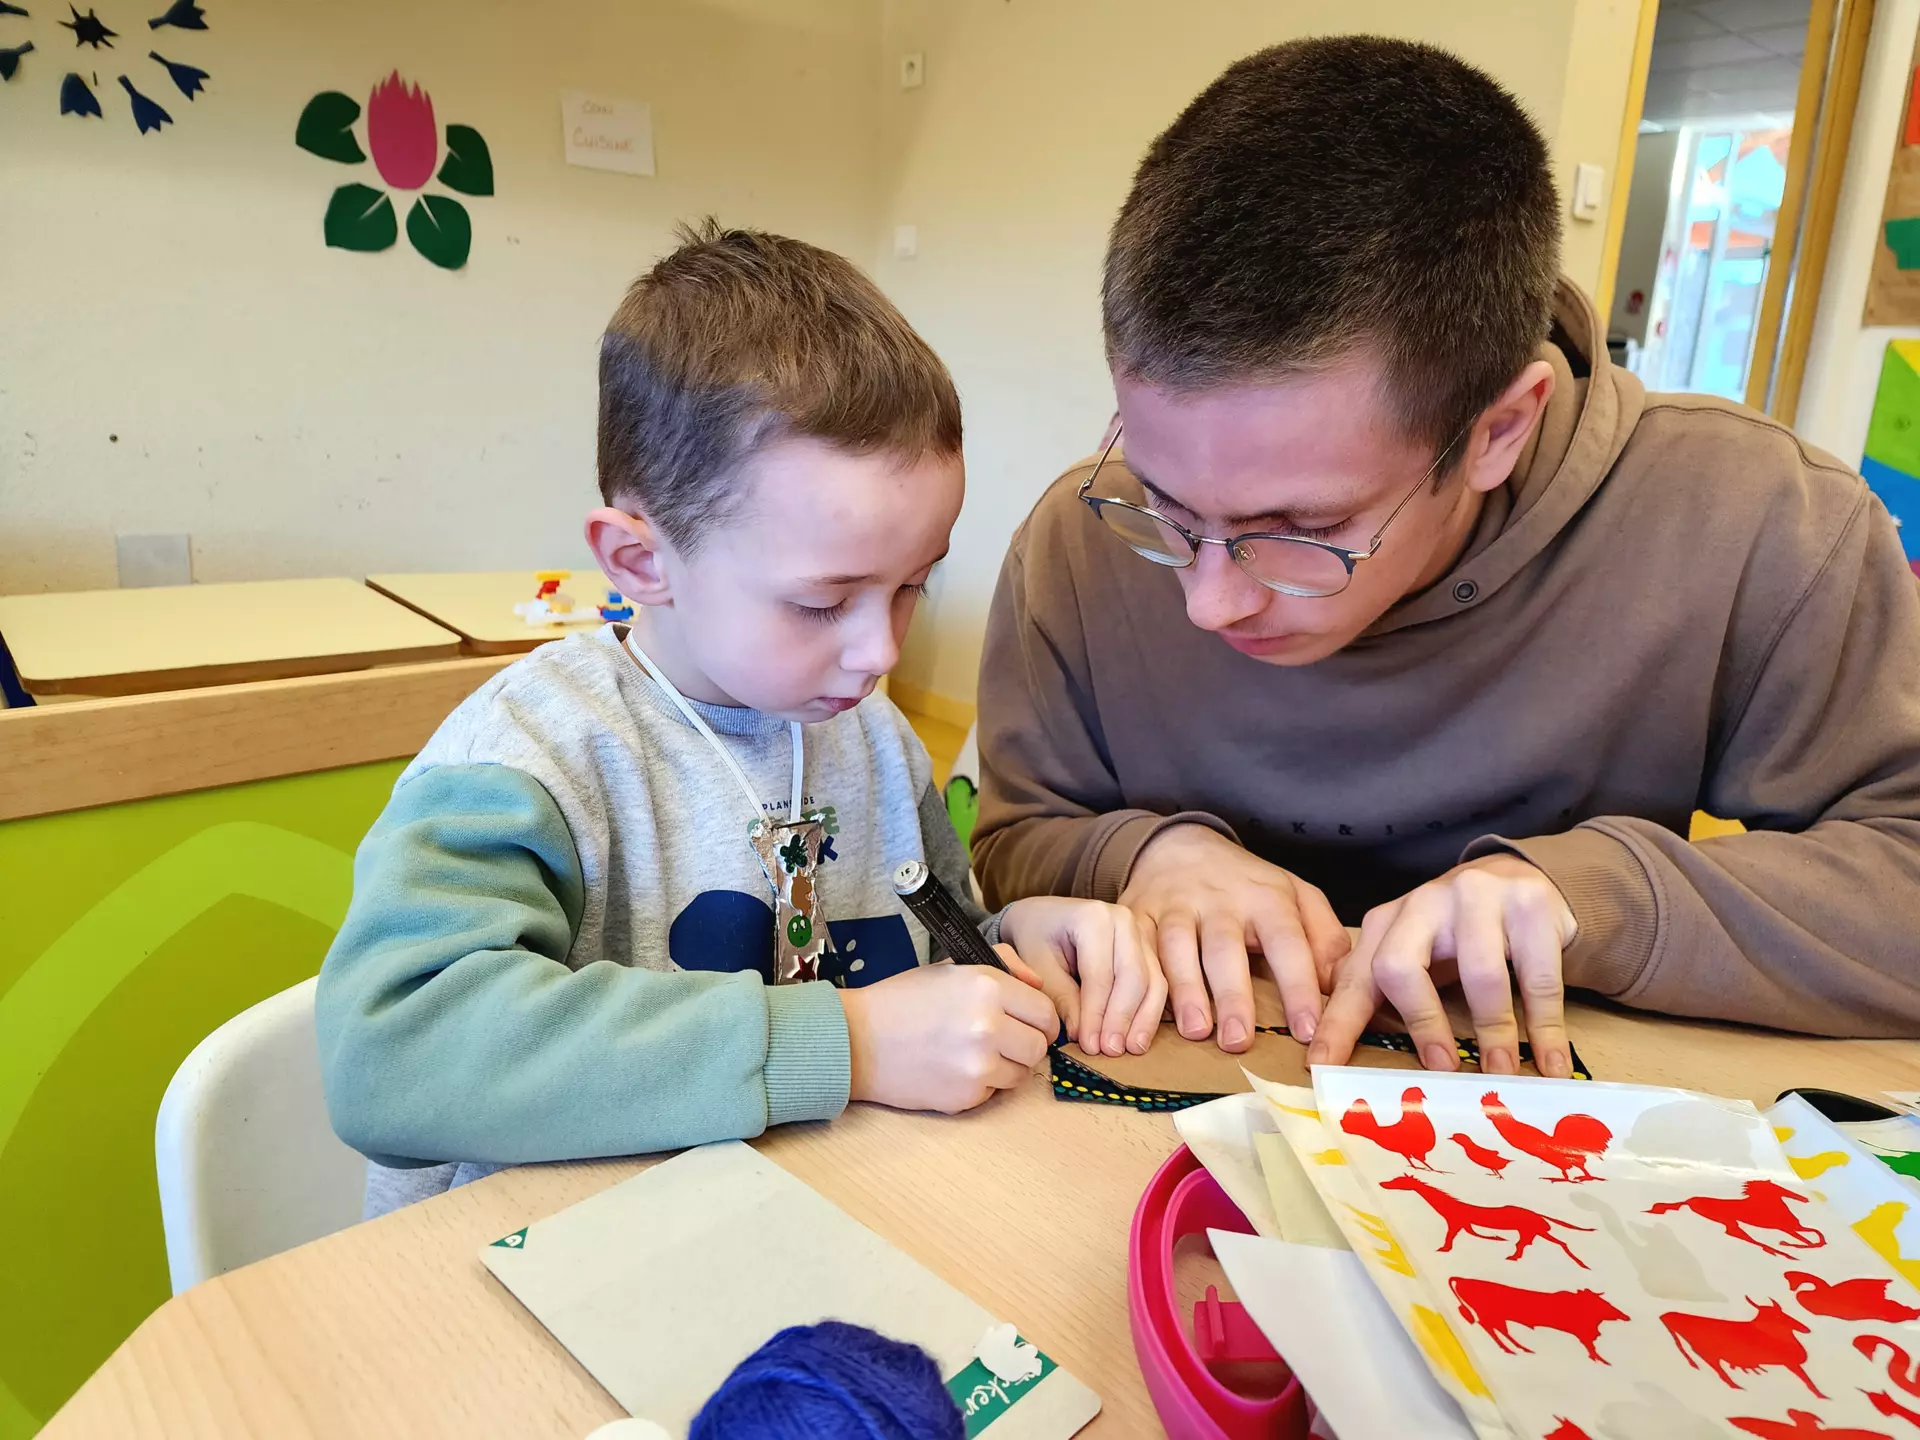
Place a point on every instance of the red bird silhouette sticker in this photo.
(1900, 1366)
(1860, 1299)
(1491, 1161)
(1495, 1308)
(1769, 1339)
(1799, 1423)
(1761, 1204)
(1574, 1141)
(1411, 1137)
(1488, 1222)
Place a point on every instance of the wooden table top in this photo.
(480, 605)
(131, 642)
(395, 1328)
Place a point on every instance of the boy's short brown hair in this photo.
(1335, 197)
(740, 339)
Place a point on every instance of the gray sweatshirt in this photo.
(559, 930)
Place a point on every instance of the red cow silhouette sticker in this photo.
(1900, 1366)
(1495, 1308)
(1491, 1161)
(1799, 1423)
(1411, 1137)
(1485, 1222)
(1761, 1204)
(1574, 1140)
(1848, 1299)
(1770, 1338)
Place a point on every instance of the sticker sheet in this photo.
(1627, 1261)
(1358, 1218)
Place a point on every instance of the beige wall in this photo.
(307, 411)
(1013, 157)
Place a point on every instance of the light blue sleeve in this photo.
(451, 1028)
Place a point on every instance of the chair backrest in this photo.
(247, 1159)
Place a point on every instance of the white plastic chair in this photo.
(247, 1159)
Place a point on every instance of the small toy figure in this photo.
(615, 607)
(553, 606)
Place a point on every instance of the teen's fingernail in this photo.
(1232, 1032)
(1115, 1042)
(1437, 1057)
(1303, 1025)
(1500, 1061)
(1559, 1066)
(1192, 1023)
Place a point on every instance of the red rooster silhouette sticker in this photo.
(1411, 1137)
(1491, 1161)
(1486, 1222)
(1769, 1339)
(1761, 1204)
(1797, 1424)
(1861, 1299)
(1495, 1308)
(1575, 1140)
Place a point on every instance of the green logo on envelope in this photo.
(983, 1397)
(511, 1242)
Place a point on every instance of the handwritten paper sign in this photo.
(607, 134)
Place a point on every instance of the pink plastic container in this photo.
(1179, 1365)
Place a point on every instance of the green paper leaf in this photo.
(469, 167)
(325, 128)
(1903, 238)
(440, 230)
(360, 217)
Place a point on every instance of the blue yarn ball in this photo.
(831, 1381)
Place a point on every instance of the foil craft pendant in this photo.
(790, 854)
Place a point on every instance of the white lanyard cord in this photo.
(694, 719)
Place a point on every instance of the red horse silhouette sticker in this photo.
(1491, 1161)
(1900, 1366)
(1799, 1423)
(1761, 1204)
(1485, 1222)
(1411, 1137)
(1495, 1308)
(1573, 1141)
(1769, 1339)
(1849, 1299)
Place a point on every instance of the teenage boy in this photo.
(1396, 602)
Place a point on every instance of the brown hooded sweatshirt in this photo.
(1672, 604)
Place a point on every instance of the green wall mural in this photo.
(132, 932)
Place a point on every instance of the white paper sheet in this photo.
(604, 134)
(1320, 1312)
(1220, 1135)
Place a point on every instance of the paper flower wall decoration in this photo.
(406, 143)
(96, 36)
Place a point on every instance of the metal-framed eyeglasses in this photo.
(1291, 564)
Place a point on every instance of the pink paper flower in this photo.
(401, 133)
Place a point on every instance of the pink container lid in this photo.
(1193, 1402)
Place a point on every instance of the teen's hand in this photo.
(945, 1037)
(1115, 1008)
(1467, 923)
(1207, 902)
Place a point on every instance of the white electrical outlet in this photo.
(913, 70)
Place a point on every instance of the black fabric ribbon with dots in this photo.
(1073, 1080)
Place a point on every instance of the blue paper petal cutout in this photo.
(146, 114)
(10, 60)
(188, 78)
(182, 15)
(76, 98)
(89, 29)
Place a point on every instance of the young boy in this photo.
(564, 924)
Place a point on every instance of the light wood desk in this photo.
(130, 642)
(480, 605)
(394, 1328)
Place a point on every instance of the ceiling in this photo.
(1725, 60)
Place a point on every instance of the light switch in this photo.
(1589, 191)
(906, 241)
